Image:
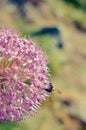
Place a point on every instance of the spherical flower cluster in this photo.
(24, 76)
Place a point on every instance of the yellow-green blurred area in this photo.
(66, 107)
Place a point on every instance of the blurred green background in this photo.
(66, 107)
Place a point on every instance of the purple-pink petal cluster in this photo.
(24, 76)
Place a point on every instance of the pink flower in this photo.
(24, 76)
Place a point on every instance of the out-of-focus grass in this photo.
(48, 44)
(9, 126)
(42, 121)
(68, 12)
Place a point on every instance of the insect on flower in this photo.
(50, 88)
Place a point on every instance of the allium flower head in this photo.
(24, 76)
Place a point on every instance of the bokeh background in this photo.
(59, 27)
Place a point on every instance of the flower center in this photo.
(5, 65)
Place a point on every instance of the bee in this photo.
(50, 88)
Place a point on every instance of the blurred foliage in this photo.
(81, 4)
(8, 126)
(65, 111)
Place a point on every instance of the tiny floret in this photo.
(24, 76)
